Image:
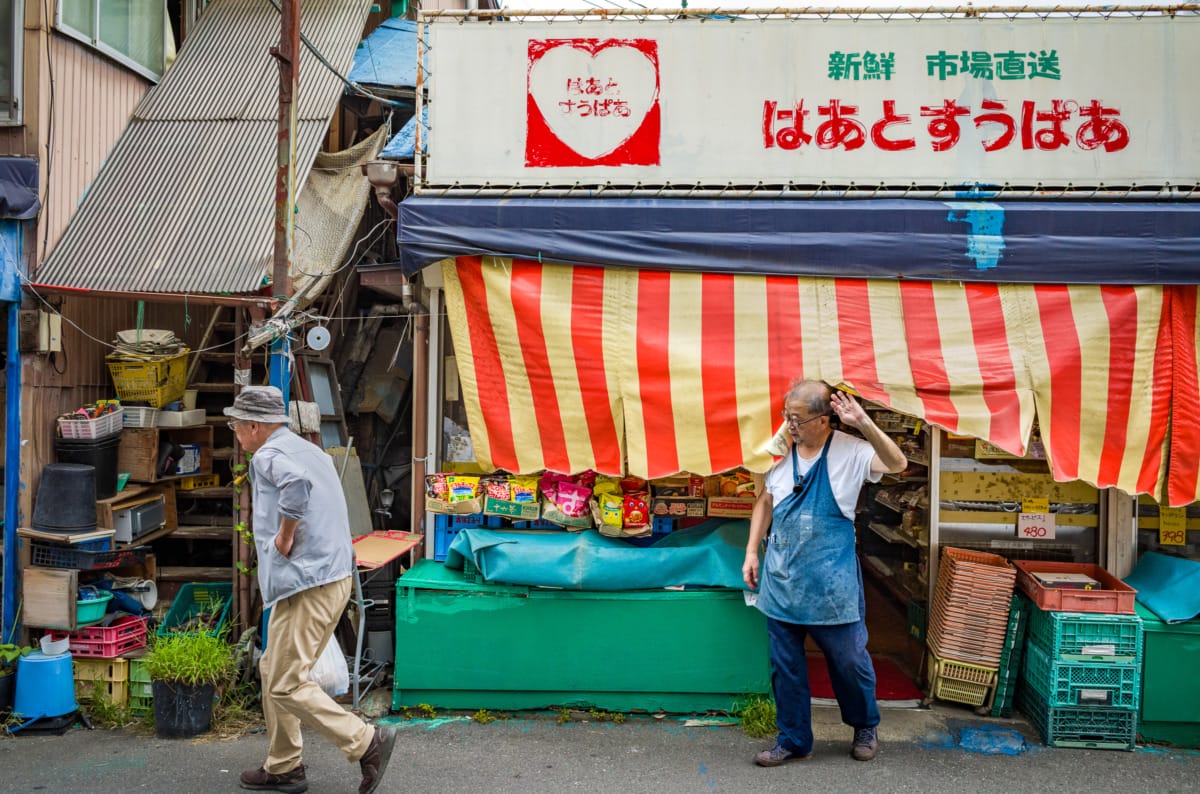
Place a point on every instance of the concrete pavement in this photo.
(534, 753)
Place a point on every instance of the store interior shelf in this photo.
(895, 535)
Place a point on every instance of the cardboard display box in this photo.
(677, 507)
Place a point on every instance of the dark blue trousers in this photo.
(850, 671)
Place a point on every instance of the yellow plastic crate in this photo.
(197, 481)
(959, 682)
(155, 382)
(111, 675)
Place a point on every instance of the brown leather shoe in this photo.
(375, 760)
(292, 782)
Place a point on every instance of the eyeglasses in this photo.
(233, 423)
(796, 421)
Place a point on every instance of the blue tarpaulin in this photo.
(710, 554)
(1077, 242)
(19, 188)
(403, 144)
(1167, 586)
(388, 57)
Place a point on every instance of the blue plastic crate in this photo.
(446, 527)
(1087, 636)
(1080, 684)
(662, 525)
(541, 523)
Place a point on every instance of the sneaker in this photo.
(261, 780)
(778, 755)
(866, 744)
(375, 760)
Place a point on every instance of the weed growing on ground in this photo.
(103, 712)
(757, 714)
(564, 716)
(483, 717)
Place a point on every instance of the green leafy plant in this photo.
(757, 714)
(9, 654)
(192, 659)
(483, 717)
(103, 712)
(426, 711)
(564, 716)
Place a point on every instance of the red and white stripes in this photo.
(652, 373)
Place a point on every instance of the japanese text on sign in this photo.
(977, 64)
(591, 97)
(1036, 526)
(838, 125)
(1172, 526)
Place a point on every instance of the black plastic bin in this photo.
(100, 453)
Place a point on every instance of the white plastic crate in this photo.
(140, 416)
(100, 427)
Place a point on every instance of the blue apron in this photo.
(810, 573)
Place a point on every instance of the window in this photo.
(10, 66)
(129, 31)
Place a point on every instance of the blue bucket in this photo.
(45, 686)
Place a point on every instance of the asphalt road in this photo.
(921, 751)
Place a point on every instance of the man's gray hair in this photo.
(813, 393)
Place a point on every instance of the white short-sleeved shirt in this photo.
(849, 464)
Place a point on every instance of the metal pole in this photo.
(12, 474)
(288, 56)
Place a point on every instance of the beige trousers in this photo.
(299, 627)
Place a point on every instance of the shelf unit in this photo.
(895, 519)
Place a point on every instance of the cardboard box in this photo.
(48, 597)
(731, 506)
(462, 507)
(728, 506)
(677, 507)
(677, 486)
(518, 511)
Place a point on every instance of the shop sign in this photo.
(1087, 101)
(1036, 526)
(1172, 526)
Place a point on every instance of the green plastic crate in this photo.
(1083, 684)
(1093, 729)
(195, 599)
(140, 705)
(1011, 655)
(1087, 636)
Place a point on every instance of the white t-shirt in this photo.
(848, 464)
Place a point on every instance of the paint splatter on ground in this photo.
(977, 738)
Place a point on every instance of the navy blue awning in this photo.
(19, 188)
(1079, 242)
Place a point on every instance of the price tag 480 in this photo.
(1036, 526)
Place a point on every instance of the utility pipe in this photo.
(12, 474)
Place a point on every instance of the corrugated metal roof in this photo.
(186, 200)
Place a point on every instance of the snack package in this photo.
(523, 489)
(436, 488)
(462, 486)
(737, 483)
(606, 485)
(572, 499)
(637, 515)
(634, 485)
(612, 509)
(496, 486)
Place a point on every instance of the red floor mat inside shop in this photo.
(891, 683)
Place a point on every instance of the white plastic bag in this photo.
(331, 672)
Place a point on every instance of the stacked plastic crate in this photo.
(968, 623)
(1081, 676)
(1011, 656)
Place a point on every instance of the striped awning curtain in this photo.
(651, 373)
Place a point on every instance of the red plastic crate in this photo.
(1116, 597)
(104, 642)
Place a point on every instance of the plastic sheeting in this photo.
(709, 555)
(19, 188)
(1075, 242)
(388, 57)
(403, 145)
(1167, 586)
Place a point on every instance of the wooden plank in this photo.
(355, 491)
(980, 486)
(202, 533)
(48, 597)
(195, 574)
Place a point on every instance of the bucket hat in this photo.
(259, 404)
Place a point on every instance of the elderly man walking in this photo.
(305, 565)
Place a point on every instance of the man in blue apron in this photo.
(810, 583)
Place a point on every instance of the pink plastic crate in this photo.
(104, 642)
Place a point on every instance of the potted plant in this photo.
(9, 655)
(185, 671)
